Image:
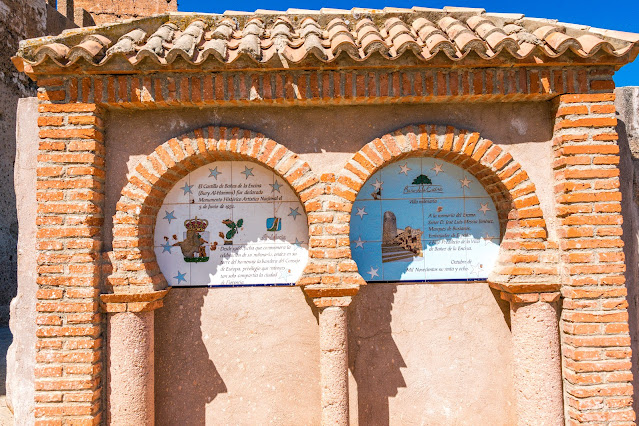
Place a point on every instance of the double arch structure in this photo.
(331, 277)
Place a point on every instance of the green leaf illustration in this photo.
(230, 234)
(240, 222)
(422, 180)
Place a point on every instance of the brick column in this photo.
(333, 321)
(70, 191)
(537, 358)
(595, 337)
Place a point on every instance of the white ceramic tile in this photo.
(294, 222)
(181, 193)
(253, 218)
(249, 173)
(212, 183)
(176, 271)
(281, 190)
(229, 196)
(169, 224)
(460, 228)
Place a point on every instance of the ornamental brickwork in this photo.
(560, 267)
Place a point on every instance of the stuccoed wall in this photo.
(627, 103)
(417, 352)
(19, 19)
(107, 11)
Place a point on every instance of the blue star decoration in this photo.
(187, 189)
(169, 216)
(248, 172)
(276, 186)
(167, 247)
(214, 173)
(298, 242)
(180, 277)
(294, 212)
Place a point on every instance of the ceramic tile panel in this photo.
(231, 223)
(423, 219)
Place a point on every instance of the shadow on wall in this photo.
(195, 384)
(374, 358)
(407, 367)
(629, 184)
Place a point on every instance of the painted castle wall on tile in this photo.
(231, 223)
(230, 333)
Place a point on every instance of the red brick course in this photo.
(135, 269)
(594, 322)
(311, 87)
(524, 258)
(587, 260)
(70, 326)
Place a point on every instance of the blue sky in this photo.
(620, 15)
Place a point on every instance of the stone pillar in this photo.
(131, 359)
(333, 321)
(131, 364)
(536, 358)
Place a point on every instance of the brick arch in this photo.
(526, 256)
(135, 269)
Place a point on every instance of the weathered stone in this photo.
(21, 355)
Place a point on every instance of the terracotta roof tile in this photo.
(298, 35)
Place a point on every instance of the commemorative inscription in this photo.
(231, 223)
(423, 219)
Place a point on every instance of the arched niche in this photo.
(423, 219)
(231, 223)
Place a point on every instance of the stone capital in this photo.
(133, 302)
(327, 302)
(531, 297)
(522, 288)
(325, 296)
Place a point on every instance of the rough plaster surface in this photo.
(242, 356)
(430, 354)
(537, 364)
(627, 104)
(21, 354)
(6, 416)
(131, 368)
(251, 356)
(19, 19)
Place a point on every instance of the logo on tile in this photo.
(274, 224)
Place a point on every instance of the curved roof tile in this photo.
(298, 35)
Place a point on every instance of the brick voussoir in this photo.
(174, 159)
